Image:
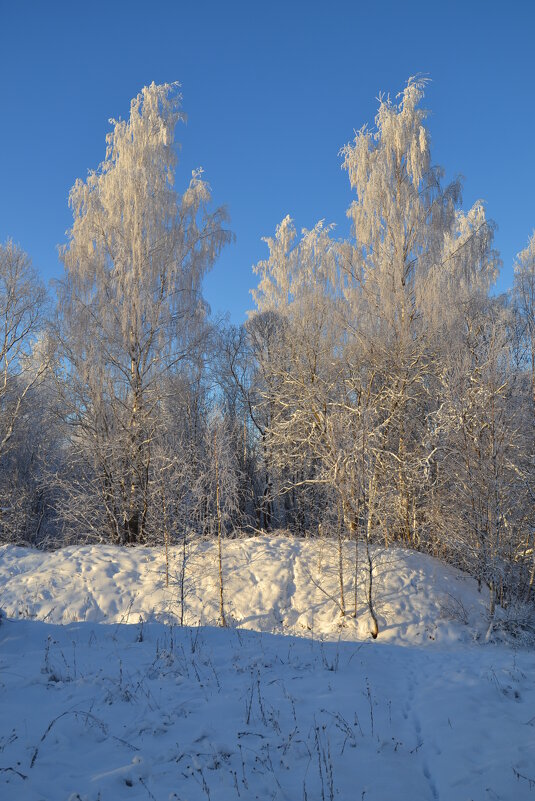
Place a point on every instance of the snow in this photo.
(273, 584)
(103, 697)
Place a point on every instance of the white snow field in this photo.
(103, 697)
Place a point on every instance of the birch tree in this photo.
(131, 309)
(524, 297)
(399, 218)
(486, 467)
(358, 388)
(320, 422)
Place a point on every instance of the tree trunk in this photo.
(341, 561)
(222, 619)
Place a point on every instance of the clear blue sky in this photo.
(272, 92)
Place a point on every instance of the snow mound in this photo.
(272, 584)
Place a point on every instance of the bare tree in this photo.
(217, 489)
(24, 360)
(23, 351)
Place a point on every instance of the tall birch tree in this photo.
(131, 309)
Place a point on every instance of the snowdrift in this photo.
(272, 584)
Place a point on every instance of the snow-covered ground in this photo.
(103, 697)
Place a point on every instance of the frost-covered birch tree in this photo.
(320, 422)
(294, 300)
(399, 220)
(131, 311)
(357, 386)
(524, 297)
(24, 362)
(485, 469)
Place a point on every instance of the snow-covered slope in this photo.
(275, 584)
(111, 708)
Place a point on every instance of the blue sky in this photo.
(272, 92)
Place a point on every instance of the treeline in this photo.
(378, 391)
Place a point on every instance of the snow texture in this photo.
(104, 698)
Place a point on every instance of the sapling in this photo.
(218, 490)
